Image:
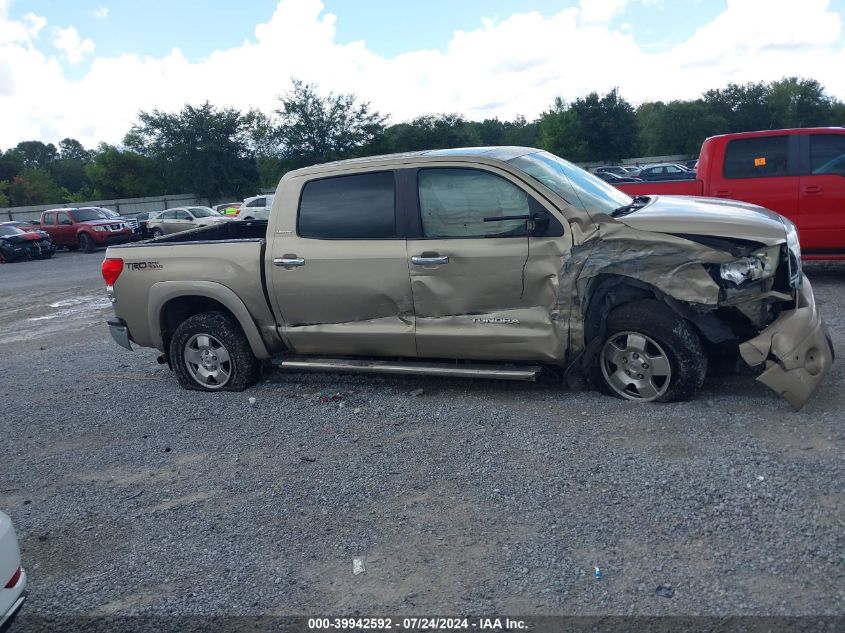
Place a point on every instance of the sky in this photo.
(85, 68)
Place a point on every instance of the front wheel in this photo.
(157, 233)
(209, 352)
(86, 243)
(650, 354)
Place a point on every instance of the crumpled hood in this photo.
(715, 217)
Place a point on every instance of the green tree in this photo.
(315, 128)
(34, 186)
(71, 149)
(677, 127)
(202, 149)
(562, 134)
(4, 199)
(120, 173)
(430, 131)
(34, 154)
(591, 128)
(795, 102)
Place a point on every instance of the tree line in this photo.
(225, 153)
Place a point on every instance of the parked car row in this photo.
(619, 174)
(88, 228)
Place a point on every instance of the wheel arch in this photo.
(608, 291)
(171, 302)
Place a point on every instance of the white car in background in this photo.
(12, 575)
(256, 207)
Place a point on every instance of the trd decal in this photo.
(143, 266)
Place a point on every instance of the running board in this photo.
(494, 372)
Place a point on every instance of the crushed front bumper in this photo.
(796, 350)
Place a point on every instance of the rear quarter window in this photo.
(763, 157)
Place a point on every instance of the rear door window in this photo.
(361, 206)
(827, 154)
(763, 157)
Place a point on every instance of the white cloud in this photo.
(501, 68)
(72, 46)
(101, 12)
(601, 10)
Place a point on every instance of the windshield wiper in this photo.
(637, 203)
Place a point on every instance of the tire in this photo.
(3, 258)
(86, 243)
(157, 233)
(201, 338)
(649, 354)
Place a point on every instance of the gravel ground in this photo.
(134, 497)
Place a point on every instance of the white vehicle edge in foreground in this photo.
(12, 574)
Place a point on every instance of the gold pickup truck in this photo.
(499, 262)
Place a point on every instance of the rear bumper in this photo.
(119, 332)
(796, 349)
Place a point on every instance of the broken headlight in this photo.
(793, 247)
(759, 265)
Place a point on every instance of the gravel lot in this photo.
(132, 496)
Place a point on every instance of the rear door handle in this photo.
(429, 260)
(288, 261)
(722, 193)
(813, 190)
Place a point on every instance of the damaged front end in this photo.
(743, 296)
(795, 351)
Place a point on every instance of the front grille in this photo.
(132, 222)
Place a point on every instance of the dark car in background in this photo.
(142, 219)
(666, 171)
(23, 225)
(16, 244)
(615, 179)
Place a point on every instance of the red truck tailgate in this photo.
(664, 187)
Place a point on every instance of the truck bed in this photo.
(225, 231)
(664, 187)
(229, 257)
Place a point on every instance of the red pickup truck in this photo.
(800, 173)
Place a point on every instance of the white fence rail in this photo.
(125, 206)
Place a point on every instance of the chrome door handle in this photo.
(419, 260)
(288, 261)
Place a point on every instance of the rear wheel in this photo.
(210, 352)
(86, 243)
(650, 354)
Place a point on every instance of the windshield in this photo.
(10, 230)
(202, 212)
(86, 215)
(569, 181)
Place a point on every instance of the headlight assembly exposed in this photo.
(100, 229)
(793, 247)
(759, 265)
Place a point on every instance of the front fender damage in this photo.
(795, 350)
